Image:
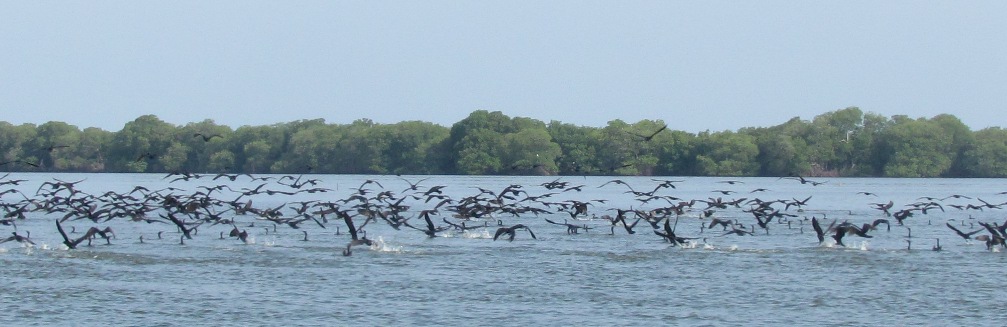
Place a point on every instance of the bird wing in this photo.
(316, 220)
(658, 131)
(818, 230)
(90, 233)
(426, 216)
(500, 231)
(840, 233)
(349, 224)
(553, 222)
(957, 231)
(66, 240)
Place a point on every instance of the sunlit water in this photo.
(465, 278)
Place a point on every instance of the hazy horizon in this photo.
(696, 65)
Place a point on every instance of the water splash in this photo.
(381, 246)
(28, 248)
(481, 234)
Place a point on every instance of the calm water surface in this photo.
(594, 278)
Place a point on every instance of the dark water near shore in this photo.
(465, 278)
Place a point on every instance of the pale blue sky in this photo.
(698, 65)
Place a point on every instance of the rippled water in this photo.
(597, 279)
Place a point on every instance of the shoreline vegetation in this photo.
(841, 143)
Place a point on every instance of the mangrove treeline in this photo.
(845, 142)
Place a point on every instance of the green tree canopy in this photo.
(845, 142)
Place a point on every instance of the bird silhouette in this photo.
(19, 161)
(52, 148)
(570, 228)
(72, 244)
(818, 230)
(669, 234)
(511, 231)
(651, 136)
(966, 236)
(17, 238)
(205, 137)
(354, 239)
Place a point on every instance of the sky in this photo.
(696, 65)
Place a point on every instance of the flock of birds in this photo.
(434, 212)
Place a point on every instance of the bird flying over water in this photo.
(511, 231)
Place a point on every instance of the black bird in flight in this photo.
(145, 156)
(18, 238)
(54, 147)
(186, 231)
(818, 230)
(207, 138)
(570, 228)
(651, 136)
(243, 235)
(19, 161)
(72, 244)
(669, 235)
(510, 231)
(354, 239)
(966, 236)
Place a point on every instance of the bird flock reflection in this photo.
(233, 206)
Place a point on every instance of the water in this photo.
(593, 278)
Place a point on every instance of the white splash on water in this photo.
(380, 245)
(481, 234)
(270, 242)
(28, 248)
